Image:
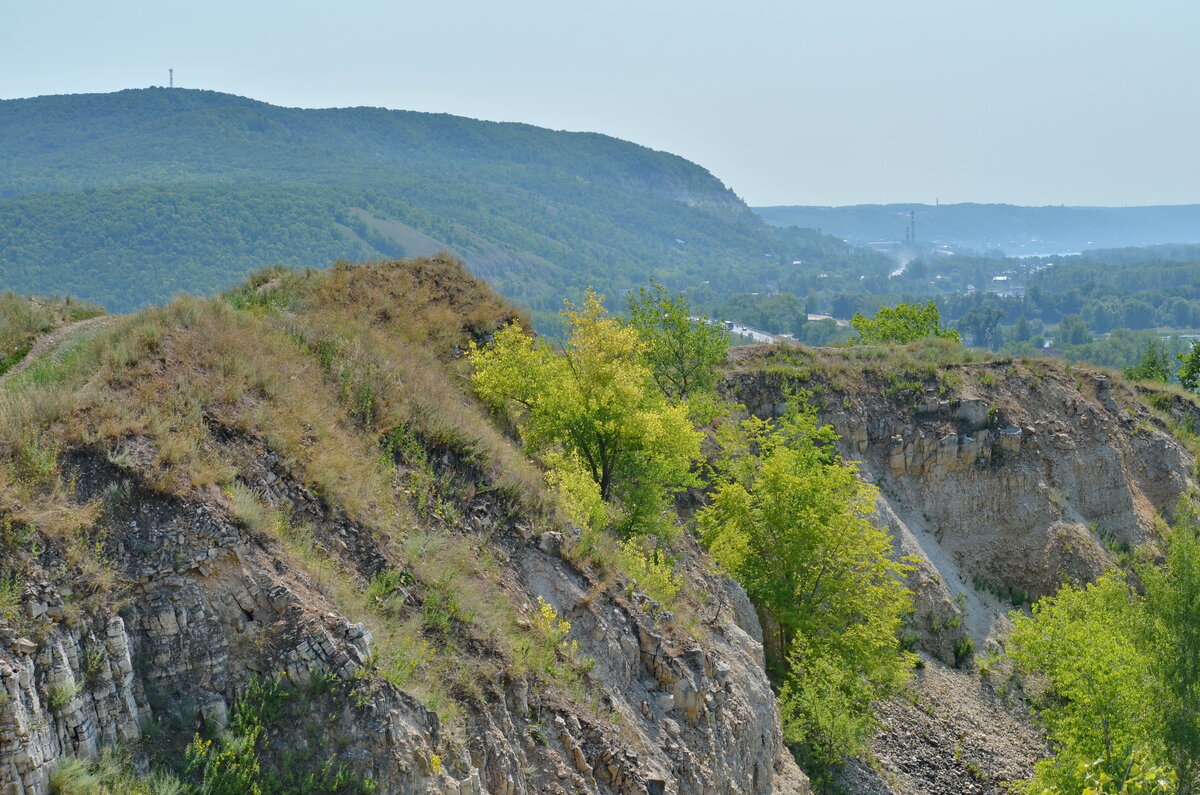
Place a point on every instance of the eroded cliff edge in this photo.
(287, 485)
(1002, 479)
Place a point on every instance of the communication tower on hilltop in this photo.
(171, 78)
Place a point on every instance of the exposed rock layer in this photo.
(210, 604)
(1001, 480)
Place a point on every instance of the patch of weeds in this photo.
(950, 621)
(402, 444)
(118, 492)
(122, 458)
(550, 646)
(249, 510)
(60, 694)
(111, 772)
(36, 462)
(439, 610)
(988, 663)
(409, 654)
(386, 584)
(323, 682)
(230, 764)
(94, 658)
(302, 772)
(650, 568)
(1005, 593)
(11, 359)
(359, 396)
(906, 390)
(1119, 549)
(1161, 401)
(964, 648)
(10, 597)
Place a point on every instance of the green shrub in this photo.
(10, 597)
(60, 694)
(964, 647)
(650, 568)
(111, 773)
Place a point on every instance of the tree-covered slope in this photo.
(159, 135)
(131, 197)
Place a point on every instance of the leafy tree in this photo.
(1124, 669)
(594, 408)
(788, 520)
(1173, 597)
(981, 323)
(1121, 349)
(1086, 640)
(1189, 370)
(901, 324)
(1141, 779)
(683, 352)
(1155, 364)
(1072, 330)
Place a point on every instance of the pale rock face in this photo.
(46, 713)
(997, 494)
(1008, 489)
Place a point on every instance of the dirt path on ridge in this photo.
(50, 341)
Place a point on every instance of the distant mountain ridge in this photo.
(129, 197)
(1013, 229)
(179, 132)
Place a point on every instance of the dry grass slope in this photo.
(352, 377)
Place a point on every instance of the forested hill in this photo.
(130, 197)
(151, 136)
(1012, 229)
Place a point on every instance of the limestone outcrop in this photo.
(1001, 480)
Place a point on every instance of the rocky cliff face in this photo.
(151, 613)
(210, 605)
(1002, 480)
(279, 510)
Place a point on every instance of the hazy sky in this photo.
(836, 102)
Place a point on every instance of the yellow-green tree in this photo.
(901, 324)
(1124, 668)
(1087, 641)
(684, 353)
(593, 408)
(789, 521)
